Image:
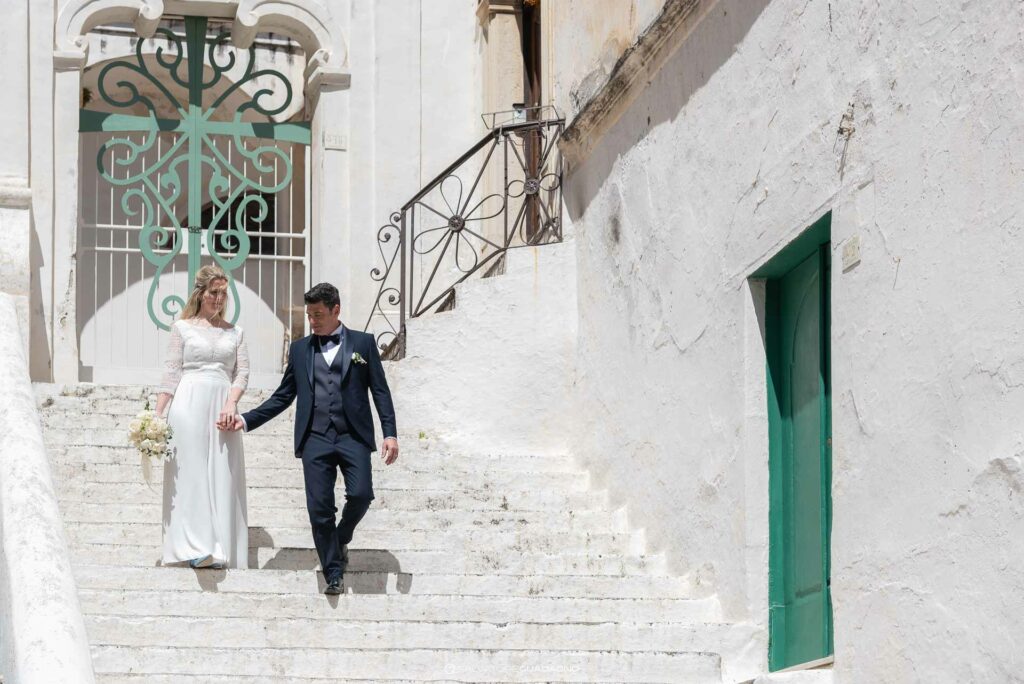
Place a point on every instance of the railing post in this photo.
(404, 288)
(504, 189)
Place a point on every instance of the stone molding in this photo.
(78, 17)
(485, 9)
(309, 22)
(637, 65)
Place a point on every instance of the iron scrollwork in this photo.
(453, 227)
(180, 169)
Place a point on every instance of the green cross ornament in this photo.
(195, 149)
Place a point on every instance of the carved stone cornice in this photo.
(308, 22)
(638, 64)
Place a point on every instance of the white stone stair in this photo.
(340, 663)
(822, 675)
(469, 566)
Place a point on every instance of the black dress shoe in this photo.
(333, 586)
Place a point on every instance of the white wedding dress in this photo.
(204, 477)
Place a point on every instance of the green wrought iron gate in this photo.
(192, 165)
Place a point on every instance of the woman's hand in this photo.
(227, 415)
(162, 400)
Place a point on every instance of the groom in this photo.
(330, 372)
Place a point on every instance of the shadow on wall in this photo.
(40, 354)
(710, 45)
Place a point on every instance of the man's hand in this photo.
(390, 450)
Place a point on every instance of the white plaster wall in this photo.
(732, 151)
(587, 38)
(451, 70)
(418, 84)
(494, 375)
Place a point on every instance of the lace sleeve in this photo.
(241, 379)
(173, 362)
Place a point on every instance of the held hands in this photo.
(231, 423)
(229, 420)
(390, 450)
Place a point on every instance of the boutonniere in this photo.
(356, 358)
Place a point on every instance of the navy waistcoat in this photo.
(327, 406)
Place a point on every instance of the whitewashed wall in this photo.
(416, 93)
(731, 151)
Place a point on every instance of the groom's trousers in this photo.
(322, 456)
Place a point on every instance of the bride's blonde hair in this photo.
(204, 278)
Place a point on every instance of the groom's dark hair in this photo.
(324, 293)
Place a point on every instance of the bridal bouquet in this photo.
(149, 434)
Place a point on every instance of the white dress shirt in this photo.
(329, 349)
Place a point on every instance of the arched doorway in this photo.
(191, 152)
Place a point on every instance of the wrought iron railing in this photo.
(504, 192)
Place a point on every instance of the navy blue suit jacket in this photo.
(357, 381)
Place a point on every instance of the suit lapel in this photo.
(310, 351)
(346, 352)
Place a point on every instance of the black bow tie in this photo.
(324, 339)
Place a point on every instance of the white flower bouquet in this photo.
(151, 435)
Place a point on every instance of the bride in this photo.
(206, 372)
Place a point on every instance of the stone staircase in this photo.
(494, 567)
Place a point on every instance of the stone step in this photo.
(93, 390)
(134, 393)
(817, 676)
(302, 581)
(410, 561)
(85, 417)
(122, 409)
(469, 562)
(296, 516)
(386, 498)
(80, 414)
(125, 678)
(44, 390)
(417, 664)
(304, 612)
(283, 457)
(116, 434)
(395, 477)
(328, 625)
(551, 541)
(189, 620)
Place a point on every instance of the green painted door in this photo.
(800, 457)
